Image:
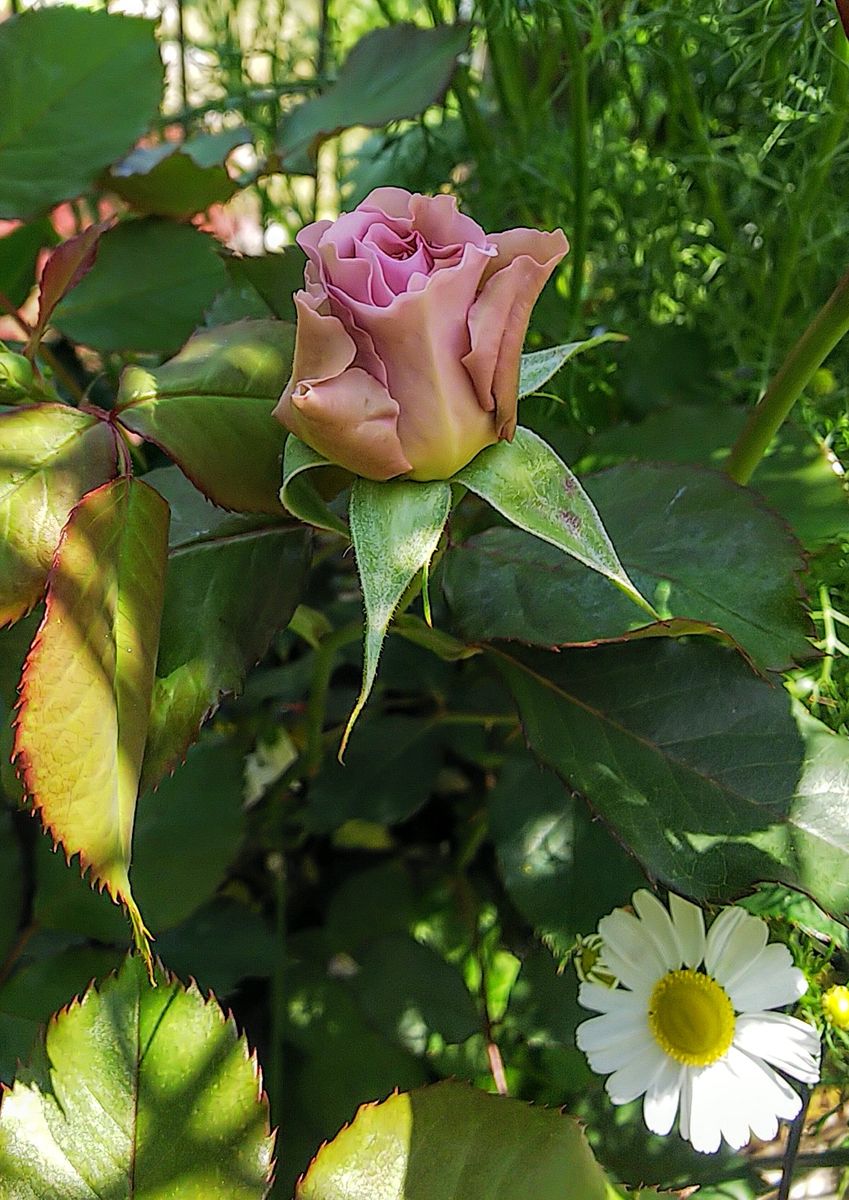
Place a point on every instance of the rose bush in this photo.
(410, 332)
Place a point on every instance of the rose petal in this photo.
(352, 420)
(393, 201)
(440, 223)
(323, 347)
(498, 320)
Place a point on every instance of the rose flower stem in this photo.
(813, 347)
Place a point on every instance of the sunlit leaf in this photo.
(696, 763)
(88, 679)
(61, 66)
(137, 1091)
(210, 409)
(526, 482)
(452, 1142)
(50, 456)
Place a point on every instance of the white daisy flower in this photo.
(690, 1027)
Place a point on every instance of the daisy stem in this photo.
(791, 1154)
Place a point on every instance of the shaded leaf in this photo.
(274, 277)
(63, 270)
(19, 252)
(148, 289)
(537, 367)
(797, 475)
(696, 764)
(391, 73)
(80, 745)
(305, 498)
(427, 994)
(220, 945)
(707, 553)
(177, 179)
(210, 408)
(549, 850)
(388, 775)
(396, 527)
(44, 984)
(232, 583)
(452, 1142)
(11, 883)
(180, 1089)
(50, 456)
(60, 67)
(526, 482)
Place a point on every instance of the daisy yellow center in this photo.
(691, 1018)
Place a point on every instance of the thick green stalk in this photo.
(813, 347)
(580, 121)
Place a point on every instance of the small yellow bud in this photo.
(835, 1005)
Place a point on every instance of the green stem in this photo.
(325, 660)
(279, 997)
(813, 347)
(580, 152)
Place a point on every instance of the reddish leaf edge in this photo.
(22, 763)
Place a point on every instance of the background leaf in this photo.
(232, 582)
(80, 746)
(451, 1141)
(19, 252)
(50, 456)
(77, 64)
(539, 366)
(210, 409)
(696, 764)
(174, 1077)
(148, 289)
(177, 179)
(391, 73)
(696, 544)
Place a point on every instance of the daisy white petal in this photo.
(598, 998)
(744, 944)
(725, 927)
(705, 1130)
(771, 982)
(658, 924)
(767, 1096)
(629, 951)
(661, 1102)
(607, 1056)
(791, 1045)
(632, 1080)
(690, 928)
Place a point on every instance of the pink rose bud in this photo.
(410, 332)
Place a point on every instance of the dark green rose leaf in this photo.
(148, 289)
(177, 179)
(707, 553)
(78, 89)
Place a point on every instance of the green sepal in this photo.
(395, 527)
(528, 483)
(301, 496)
(539, 366)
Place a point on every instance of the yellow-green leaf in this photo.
(50, 456)
(88, 680)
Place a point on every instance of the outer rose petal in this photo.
(498, 320)
(339, 410)
(352, 420)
